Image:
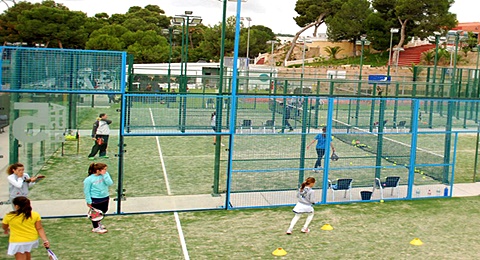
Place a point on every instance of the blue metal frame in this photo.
(233, 110)
(413, 150)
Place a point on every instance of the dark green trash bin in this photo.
(366, 195)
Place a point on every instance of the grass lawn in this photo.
(361, 231)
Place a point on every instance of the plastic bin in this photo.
(366, 195)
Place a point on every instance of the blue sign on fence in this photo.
(379, 79)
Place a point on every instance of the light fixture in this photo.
(178, 20)
(196, 20)
(188, 12)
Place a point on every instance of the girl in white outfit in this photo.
(306, 199)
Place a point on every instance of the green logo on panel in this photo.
(264, 77)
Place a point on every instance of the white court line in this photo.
(182, 238)
(169, 192)
(160, 154)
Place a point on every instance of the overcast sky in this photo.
(275, 14)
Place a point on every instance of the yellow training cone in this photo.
(416, 242)
(279, 252)
(327, 227)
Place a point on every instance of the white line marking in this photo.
(160, 154)
(182, 238)
(177, 219)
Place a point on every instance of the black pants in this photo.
(102, 148)
(101, 204)
(287, 124)
(320, 154)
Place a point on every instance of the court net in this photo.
(395, 149)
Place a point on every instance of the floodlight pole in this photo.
(448, 127)
(359, 88)
(435, 64)
(272, 65)
(303, 63)
(219, 105)
(392, 31)
(184, 19)
(170, 31)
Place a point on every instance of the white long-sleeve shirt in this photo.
(307, 196)
(18, 187)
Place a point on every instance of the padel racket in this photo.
(334, 157)
(51, 254)
(95, 214)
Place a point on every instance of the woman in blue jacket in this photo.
(95, 187)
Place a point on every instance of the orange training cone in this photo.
(279, 252)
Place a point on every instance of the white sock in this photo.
(294, 221)
(309, 219)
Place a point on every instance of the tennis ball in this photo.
(288, 138)
(351, 163)
(382, 201)
(394, 164)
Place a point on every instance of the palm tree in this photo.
(333, 51)
(428, 57)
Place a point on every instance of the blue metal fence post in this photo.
(233, 113)
(327, 149)
(413, 150)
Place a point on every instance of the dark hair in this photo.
(308, 181)
(213, 114)
(94, 167)
(24, 207)
(101, 115)
(13, 167)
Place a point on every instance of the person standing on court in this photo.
(19, 181)
(286, 115)
(100, 133)
(321, 140)
(306, 200)
(24, 227)
(95, 188)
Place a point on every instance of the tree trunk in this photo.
(60, 44)
(317, 23)
(402, 39)
(315, 31)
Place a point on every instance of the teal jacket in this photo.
(96, 186)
